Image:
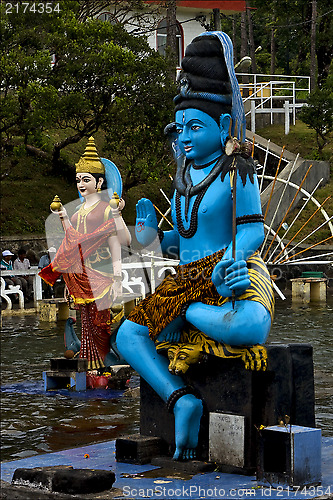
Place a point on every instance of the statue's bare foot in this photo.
(188, 412)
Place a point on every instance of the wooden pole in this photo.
(234, 227)
(159, 211)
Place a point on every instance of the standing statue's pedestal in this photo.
(66, 373)
(237, 402)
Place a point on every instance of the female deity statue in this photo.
(89, 258)
(222, 287)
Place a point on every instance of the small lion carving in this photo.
(182, 356)
(195, 347)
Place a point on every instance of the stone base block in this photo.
(309, 289)
(64, 479)
(138, 449)
(53, 309)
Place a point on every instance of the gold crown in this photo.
(90, 161)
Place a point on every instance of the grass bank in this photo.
(28, 185)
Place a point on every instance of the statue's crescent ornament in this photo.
(113, 178)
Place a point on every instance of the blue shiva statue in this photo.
(224, 292)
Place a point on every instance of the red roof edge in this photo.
(224, 5)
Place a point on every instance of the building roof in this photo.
(223, 5)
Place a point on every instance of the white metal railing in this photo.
(261, 94)
(154, 264)
(302, 83)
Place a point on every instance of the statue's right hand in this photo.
(62, 213)
(229, 276)
(146, 222)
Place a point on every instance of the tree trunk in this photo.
(73, 139)
(243, 47)
(234, 42)
(243, 52)
(37, 152)
(324, 50)
(313, 65)
(171, 18)
(251, 38)
(217, 19)
(273, 50)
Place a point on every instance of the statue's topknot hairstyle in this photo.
(204, 81)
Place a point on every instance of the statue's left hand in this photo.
(229, 275)
(121, 205)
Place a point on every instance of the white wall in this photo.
(191, 29)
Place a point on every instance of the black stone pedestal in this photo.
(263, 398)
(225, 386)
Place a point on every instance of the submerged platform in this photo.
(148, 481)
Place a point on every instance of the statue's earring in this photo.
(99, 190)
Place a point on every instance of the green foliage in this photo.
(110, 84)
(318, 115)
(135, 128)
(290, 21)
(100, 72)
(263, 60)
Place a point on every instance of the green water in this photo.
(33, 421)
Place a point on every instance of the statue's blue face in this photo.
(199, 135)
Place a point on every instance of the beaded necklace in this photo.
(184, 187)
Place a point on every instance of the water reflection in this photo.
(312, 324)
(33, 421)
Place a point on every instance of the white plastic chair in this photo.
(12, 289)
